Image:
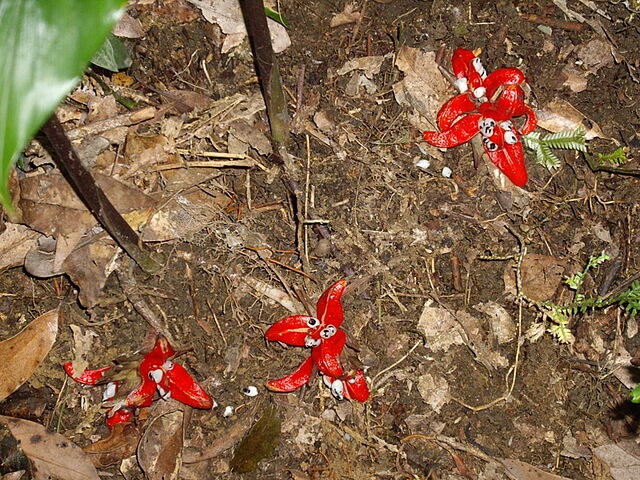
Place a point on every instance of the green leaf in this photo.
(259, 443)
(635, 394)
(276, 17)
(112, 55)
(45, 45)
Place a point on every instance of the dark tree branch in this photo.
(93, 197)
(268, 71)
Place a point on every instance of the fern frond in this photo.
(531, 141)
(617, 157)
(567, 140)
(550, 160)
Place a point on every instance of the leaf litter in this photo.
(397, 227)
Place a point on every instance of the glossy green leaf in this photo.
(276, 17)
(45, 45)
(112, 55)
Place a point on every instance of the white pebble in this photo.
(423, 164)
(447, 172)
(228, 411)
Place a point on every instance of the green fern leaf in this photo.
(551, 161)
(567, 140)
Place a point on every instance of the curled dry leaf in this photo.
(524, 471)
(120, 444)
(159, 452)
(52, 455)
(348, 15)
(21, 354)
(559, 115)
(15, 242)
(228, 16)
(541, 276)
(423, 87)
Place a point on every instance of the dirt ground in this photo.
(430, 260)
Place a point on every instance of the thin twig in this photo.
(130, 288)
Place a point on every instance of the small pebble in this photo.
(447, 172)
(250, 391)
(423, 164)
(228, 411)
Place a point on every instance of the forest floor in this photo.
(450, 279)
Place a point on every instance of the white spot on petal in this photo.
(337, 389)
(164, 394)
(168, 365)
(462, 84)
(110, 391)
(156, 375)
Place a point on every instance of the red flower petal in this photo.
(326, 356)
(88, 377)
(292, 382)
(184, 388)
(329, 306)
(292, 330)
(122, 415)
(503, 76)
(454, 108)
(356, 388)
(460, 132)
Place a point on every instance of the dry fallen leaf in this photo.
(348, 15)
(423, 87)
(519, 470)
(51, 454)
(541, 276)
(159, 452)
(120, 444)
(622, 458)
(559, 115)
(21, 354)
(15, 242)
(439, 328)
(228, 16)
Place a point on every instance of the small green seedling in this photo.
(561, 315)
(616, 158)
(542, 146)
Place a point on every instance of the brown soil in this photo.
(402, 236)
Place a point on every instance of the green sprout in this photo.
(617, 157)
(561, 315)
(542, 146)
(635, 394)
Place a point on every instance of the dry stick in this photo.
(94, 198)
(130, 288)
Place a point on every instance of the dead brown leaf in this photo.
(89, 267)
(21, 354)
(15, 242)
(120, 444)
(519, 470)
(559, 115)
(348, 15)
(423, 87)
(541, 276)
(51, 454)
(160, 449)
